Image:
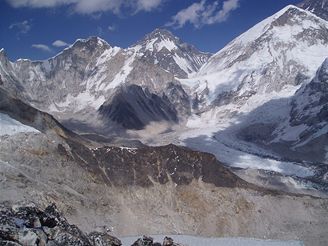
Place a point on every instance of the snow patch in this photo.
(183, 64)
(9, 126)
(150, 44)
(166, 43)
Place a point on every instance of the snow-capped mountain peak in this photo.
(163, 49)
(285, 16)
(289, 15)
(160, 39)
(281, 51)
(92, 41)
(91, 44)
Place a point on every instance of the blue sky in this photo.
(28, 28)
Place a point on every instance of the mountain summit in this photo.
(162, 48)
(270, 57)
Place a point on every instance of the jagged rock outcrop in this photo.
(28, 225)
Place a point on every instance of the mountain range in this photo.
(162, 119)
(96, 89)
(99, 90)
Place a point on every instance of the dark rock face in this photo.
(145, 165)
(134, 107)
(317, 7)
(32, 226)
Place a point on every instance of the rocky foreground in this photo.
(28, 225)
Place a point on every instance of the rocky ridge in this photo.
(29, 225)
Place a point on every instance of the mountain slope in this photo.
(305, 130)
(317, 7)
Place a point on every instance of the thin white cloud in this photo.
(204, 13)
(91, 6)
(40, 3)
(60, 43)
(148, 5)
(111, 28)
(42, 47)
(96, 6)
(21, 27)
